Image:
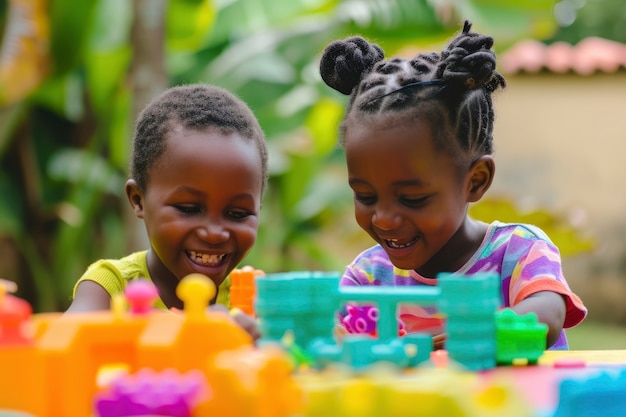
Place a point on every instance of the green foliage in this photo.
(580, 19)
(71, 23)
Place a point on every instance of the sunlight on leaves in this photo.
(323, 122)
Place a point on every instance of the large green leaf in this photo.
(109, 55)
(62, 95)
(70, 24)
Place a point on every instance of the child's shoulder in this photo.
(128, 265)
(500, 230)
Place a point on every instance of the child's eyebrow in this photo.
(190, 190)
(413, 182)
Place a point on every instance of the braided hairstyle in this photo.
(196, 107)
(453, 89)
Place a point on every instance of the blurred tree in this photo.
(579, 19)
(74, 73)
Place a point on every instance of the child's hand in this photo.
(339, 332)
(244, 321)
(439, 341)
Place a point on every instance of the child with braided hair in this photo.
(418, 138)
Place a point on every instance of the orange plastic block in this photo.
(52, 370)
(75, 347)
(252, 382)
(243, 288)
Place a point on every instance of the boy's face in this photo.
(409, 196)
(201, 206)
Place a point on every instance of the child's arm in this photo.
(550, 309)
(90, 296)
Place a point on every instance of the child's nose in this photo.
(385, 219)
(213, 233)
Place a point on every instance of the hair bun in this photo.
(468, 60)
(345, 62)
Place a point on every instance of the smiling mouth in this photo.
(393, 243)
(206, 258)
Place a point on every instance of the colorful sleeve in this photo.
(538, 268)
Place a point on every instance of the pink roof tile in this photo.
(588, 56)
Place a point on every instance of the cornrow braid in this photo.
(459, 81)
(196, 107)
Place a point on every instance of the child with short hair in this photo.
(198, 171)
(418, 139)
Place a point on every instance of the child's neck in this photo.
(164, 280)
(457, 251)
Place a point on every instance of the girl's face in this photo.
(411, 198)
(201, 206)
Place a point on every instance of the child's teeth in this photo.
(205, 258)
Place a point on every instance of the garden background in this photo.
(74, 74)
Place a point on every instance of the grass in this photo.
(593, 335)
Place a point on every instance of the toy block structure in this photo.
(55, 374)
(134, 360)
(299, 301)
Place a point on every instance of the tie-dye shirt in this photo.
(524, 257)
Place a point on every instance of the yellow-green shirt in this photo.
(114, 274)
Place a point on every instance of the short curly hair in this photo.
(196, 107)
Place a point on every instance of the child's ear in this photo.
(135, 197)
(481, 176)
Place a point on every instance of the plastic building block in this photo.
(382, 391)
(470, 304)
(252, 382)
(298, 355)
(243, 288)
(140, 294)
(519, 337)
(363, 320)
(14, 314)
(164, 394)
(360, 319)
(57, 375)
(302, 302)
(602, 395)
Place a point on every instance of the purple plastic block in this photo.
(167, 394)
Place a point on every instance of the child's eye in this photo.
(415, 202)
(365, 198)
(238, 214)
(188, 209)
